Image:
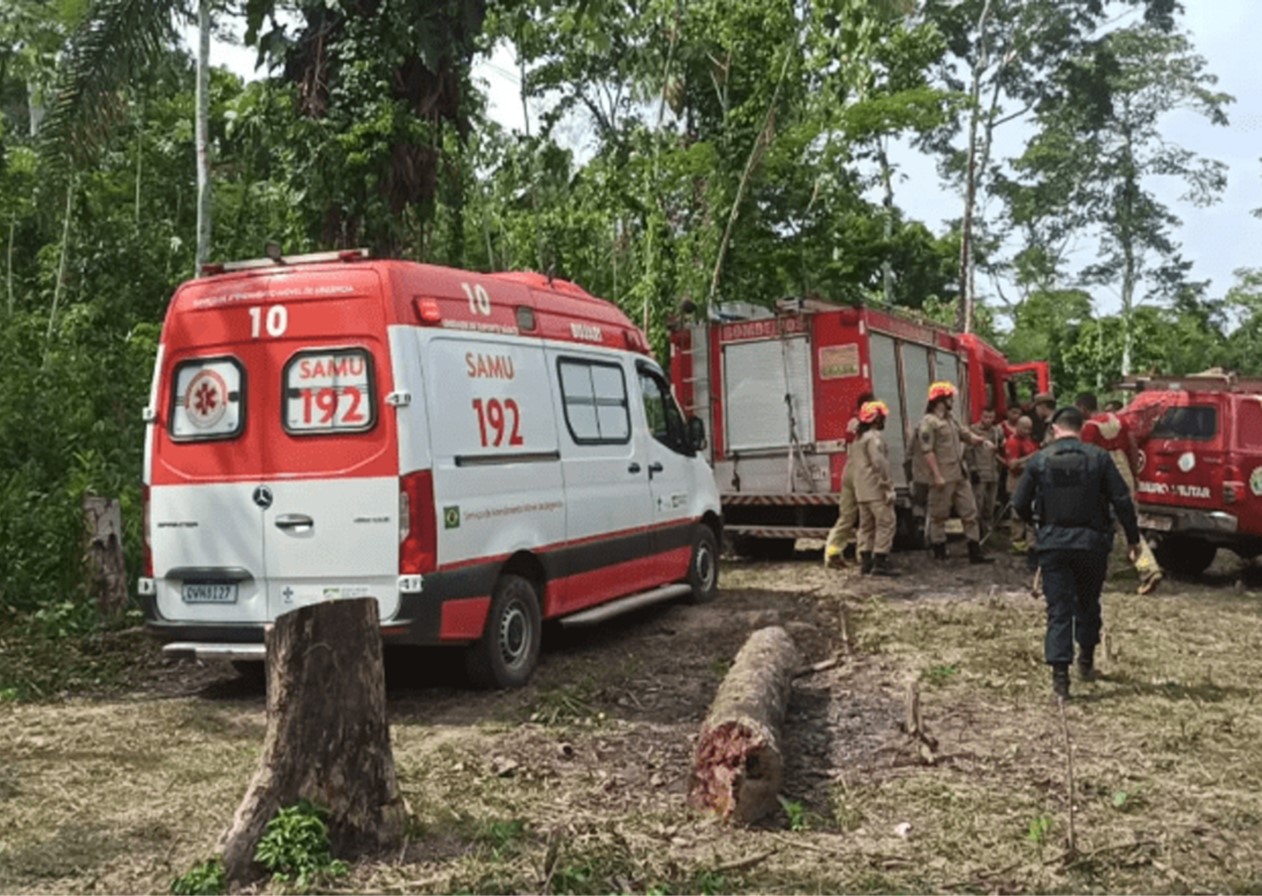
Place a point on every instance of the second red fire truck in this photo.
(776, 388)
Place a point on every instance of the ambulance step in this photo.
(214, 651)
(777, 531)
(626, 605)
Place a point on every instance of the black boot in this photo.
(865, 563)
(881, 566)
(939, 551)
(848, 552)
(975, 554)
(1086, 663)
(1060, 680)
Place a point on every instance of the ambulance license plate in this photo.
(1155, 522)
(210, 593)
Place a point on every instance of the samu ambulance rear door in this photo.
(301, 503)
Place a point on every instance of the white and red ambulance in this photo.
(478, 452)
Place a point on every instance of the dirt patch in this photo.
(577, 782)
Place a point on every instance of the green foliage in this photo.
(502, 837)
(796, 813)
(295, 847)
(205, 879)
(939, 675)
(1040, 829)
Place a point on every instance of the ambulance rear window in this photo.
(329, 391)
(207, 400)
(595, 399)
(1198, 422)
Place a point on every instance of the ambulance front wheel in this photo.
(508, 651)
(703, 570)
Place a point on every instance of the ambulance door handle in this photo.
(655, 467)
(633, 468)
(294, 521)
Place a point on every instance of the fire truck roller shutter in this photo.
(755, 378)
(947, 368)
(885, 386)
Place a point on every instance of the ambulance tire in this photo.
(703, 568)
(508, 651)
(1185, 556)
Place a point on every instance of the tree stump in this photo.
(103, 555)
(327, 736)
(737, 767)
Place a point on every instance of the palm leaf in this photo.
(117, 42)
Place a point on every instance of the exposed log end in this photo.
(737, 766)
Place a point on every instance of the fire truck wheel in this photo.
(1186, 556)
(703, 570)
(508, 651)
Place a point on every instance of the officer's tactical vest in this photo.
(1072, 495)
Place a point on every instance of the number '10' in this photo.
(493, 415)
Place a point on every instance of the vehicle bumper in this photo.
(423, 620)
(1163, 520)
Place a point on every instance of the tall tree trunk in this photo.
(8, 276)
(964, 307)
(71, 185)
(887, 267)
(525, 107)
(1126, 238)
(140, 146)
(34, 107)
(202, 137)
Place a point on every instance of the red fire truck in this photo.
(1200, 478)
(776, 389)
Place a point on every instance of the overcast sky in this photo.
(1217, 240)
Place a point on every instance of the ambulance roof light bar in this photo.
(275, 258)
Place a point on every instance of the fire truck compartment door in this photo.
(757, 376)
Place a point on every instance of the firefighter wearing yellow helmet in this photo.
(874, 490)
(939, 437)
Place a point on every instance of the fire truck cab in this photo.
(776, 388)
(1199, 486)
(478, 452)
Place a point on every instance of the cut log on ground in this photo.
(738, 767)
(327, 736)
(107, 571)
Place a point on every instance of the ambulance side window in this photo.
(329, 391)
(663, 415)
(207, 400)
(594, 395)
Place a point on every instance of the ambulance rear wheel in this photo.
(703, 569)
(1185, 556)
(508, 651)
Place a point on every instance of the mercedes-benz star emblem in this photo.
(263, 496)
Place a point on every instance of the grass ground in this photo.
(576, 784)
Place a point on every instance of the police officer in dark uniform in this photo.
(1070, 486)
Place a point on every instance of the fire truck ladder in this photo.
(797, 459)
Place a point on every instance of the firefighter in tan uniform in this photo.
(839, 546)
(983, 468)
(874, 490)
(939, 443)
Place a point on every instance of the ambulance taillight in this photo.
(418, 526)
(146, 559)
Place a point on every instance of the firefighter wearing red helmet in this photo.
(840, 546)
(939, 444)
(874, 490)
